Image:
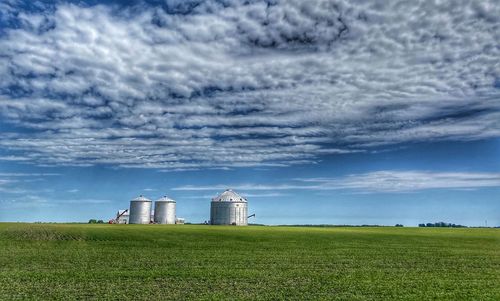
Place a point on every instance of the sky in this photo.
(319, 112)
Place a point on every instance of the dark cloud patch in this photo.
(292, 27)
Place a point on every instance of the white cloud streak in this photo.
(10, 182)
(34, 201)
(30, 174)
(378, 181)
(241, 85)
(218, 188)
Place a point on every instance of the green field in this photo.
(156, 262)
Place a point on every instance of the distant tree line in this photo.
(94, 221)
(442, 225)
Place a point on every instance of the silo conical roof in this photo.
(165, 199)
(141, 198)
(229, 196)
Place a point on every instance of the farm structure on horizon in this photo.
(141, 212)
(228, 208)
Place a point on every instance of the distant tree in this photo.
(442, 225)
(92, 221)
(399, 225)
(100, 221)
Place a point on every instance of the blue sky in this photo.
(322, 111)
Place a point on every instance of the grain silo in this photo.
(164, 211)
(229, 208)
(140, 211)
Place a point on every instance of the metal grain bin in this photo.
(140, 211)
(229, 208)
(164, 211)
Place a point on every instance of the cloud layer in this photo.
(216, 84)
(386, 181)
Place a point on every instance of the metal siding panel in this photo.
(140, 212)
(171, 213)
(164, 212)
(228, 208)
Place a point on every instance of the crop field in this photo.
(184, 262)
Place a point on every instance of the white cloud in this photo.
(13, 182)
(379, 181)
(30, 174)
(245, 84)
(219, 189)
(29, 201)
(398, 181)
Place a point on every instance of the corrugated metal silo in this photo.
(229, 208)
(140, 211)
(165, 211)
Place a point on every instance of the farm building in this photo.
(229, 208)
(122, 216)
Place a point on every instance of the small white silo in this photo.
(165, 211)
(229, 208)
(140, 211)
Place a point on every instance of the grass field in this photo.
(154, 262)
